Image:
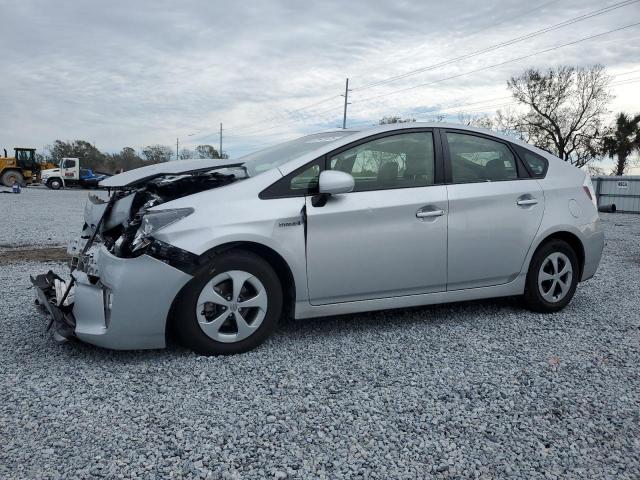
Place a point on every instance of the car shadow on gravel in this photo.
(318, 328)
(400, 319)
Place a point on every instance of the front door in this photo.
(389, 236)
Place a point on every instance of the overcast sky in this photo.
(137, 73)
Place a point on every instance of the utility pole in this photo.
(220, 139)
(177, 142)
(346, 102)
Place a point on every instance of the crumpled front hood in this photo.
(176, 167)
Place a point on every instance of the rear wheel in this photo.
(12, 177)
(552, 278)
(54, 184)
(231, 308)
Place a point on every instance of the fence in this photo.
(623, 192)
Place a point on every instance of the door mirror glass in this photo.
(334, 182)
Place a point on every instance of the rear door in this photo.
(495, 210)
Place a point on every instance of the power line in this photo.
(460, 107)
(306, 107)
(626, 73)
(509, 18)
(512, 41)
(447, 62)
(626, 82)
(393, 92)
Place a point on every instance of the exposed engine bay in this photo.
(121, 217)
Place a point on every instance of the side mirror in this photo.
(333, 182)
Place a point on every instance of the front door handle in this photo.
(429, 213)
(527, 201)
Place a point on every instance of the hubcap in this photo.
(555, 276)
(231, 306)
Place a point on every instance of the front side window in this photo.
(396, 161)
(478, 159)
(69, 164)
(306, 181)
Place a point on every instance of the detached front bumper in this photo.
(121, 303)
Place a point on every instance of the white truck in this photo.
(70, 174)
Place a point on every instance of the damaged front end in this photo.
(123, 281)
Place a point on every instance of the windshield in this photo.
(277, 155)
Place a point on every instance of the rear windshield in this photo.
(277, 155)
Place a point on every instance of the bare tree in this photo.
(157, 153)
(185, 154)
(206, 151)
(395, 119)
(565, 110)
(480, 121)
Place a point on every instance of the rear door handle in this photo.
(527, 201)
(429, 213)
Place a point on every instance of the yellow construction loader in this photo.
(22, 168)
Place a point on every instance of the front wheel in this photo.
(552, 278)
(230, 308)
(54, 184)
(11, 177)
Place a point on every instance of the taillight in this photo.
(587, 186)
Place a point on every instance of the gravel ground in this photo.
(472, 390)
(41, 217)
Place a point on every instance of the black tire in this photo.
(184, 322)
(11, 177)
(54, 184)
(533, 298)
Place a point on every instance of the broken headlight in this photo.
(153, 221)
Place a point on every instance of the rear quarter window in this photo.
(537, 164)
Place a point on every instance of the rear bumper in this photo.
(593, 242)
(126, 306)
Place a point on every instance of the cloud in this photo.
(135, 73)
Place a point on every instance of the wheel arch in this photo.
(277, 262)
(569, 237)
(52, 178)
(272, 257)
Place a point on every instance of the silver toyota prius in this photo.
(215, 252)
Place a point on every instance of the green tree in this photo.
(126, 159)
(622, 141)
(89, 155)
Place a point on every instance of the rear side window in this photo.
(537, 164)
(479, 159)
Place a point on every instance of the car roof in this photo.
(361, 133)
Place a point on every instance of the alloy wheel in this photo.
(555, 277)
(231, 306)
